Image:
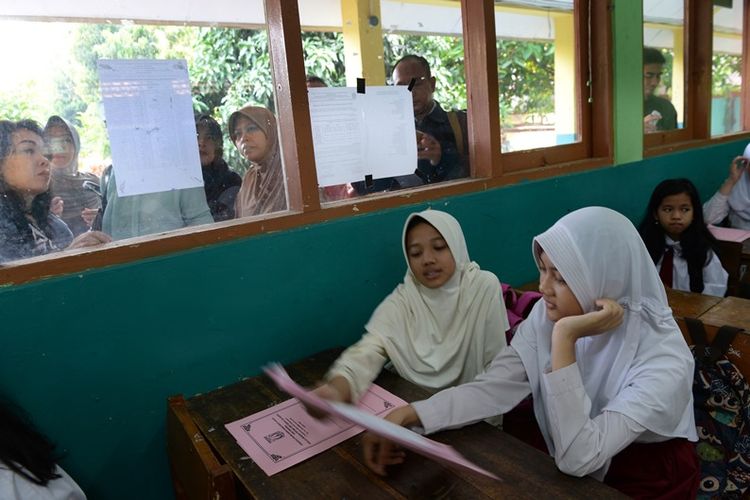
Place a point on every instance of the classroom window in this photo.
(91, 126)
(537, 76)
(726, 71)
(365, 40)
(664, 66)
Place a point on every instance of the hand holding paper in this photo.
(388, 430)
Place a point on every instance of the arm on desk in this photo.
(196, 472)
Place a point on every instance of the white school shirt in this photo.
(16, 487)
(717, 208)
(585, 446)
(714, 275)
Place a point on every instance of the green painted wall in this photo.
(94, 356)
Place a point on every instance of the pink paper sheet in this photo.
(729, 234)
(400, 435)
(285, 434)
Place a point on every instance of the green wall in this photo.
(93, 356)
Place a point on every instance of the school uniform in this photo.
(629, 387)
(736, 206)
(714, 276)
(434, 338)
(14, 486)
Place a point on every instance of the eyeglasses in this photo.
(417, 82)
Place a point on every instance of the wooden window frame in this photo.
(699, 53)
(490, 169)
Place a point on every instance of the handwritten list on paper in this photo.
(149, 113)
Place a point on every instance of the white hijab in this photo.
(643, 368)
(446, 336)
(739, 197)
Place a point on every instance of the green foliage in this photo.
(324, 56)
(526, 77)
(727, 71)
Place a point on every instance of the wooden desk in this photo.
(340, 472)
(689, 304)
(733, 311)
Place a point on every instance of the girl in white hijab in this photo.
(441, 327)
(608, 369)
(733, 197)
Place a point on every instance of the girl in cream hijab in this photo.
(610, 373)
(253, 131)
(440, 327)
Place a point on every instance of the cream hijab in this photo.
(643, 368)
(446, 336)
(263, 189)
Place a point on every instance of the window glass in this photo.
(56, 83)
(726, 99)
(348, 42)
(663, 65)
(537, 68)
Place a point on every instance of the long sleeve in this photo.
(715, 277)
(360, 364)
(194, 208)
(494, 392)
(584, 445)
(716, 208)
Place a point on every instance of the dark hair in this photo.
(416, 59)
(652, 55)
(41, 202)
(23, 449)
(214, 132)
(316, 79)
(696, 241)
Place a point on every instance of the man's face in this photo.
(424, 86)
(651, 78)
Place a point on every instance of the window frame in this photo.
(490, 168)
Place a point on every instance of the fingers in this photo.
(379, 453)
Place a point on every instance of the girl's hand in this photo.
(738, 165)
(567, 330)
(378, 451)
(327, 392)
(606, 318)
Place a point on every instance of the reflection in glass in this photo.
(726, 99)
(663, 65)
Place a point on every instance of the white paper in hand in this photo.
(399, 435)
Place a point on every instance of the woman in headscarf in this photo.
(610, 373)
(220, 183)
(733, 197)
(254, 133)
(80, 205)
(27, 227)
(441, 327)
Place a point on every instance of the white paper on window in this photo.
(149, 113)
(355, 135)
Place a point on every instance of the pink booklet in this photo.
(729, 234)
(395, 433)
(285, 434)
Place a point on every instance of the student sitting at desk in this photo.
(679, 242)
(440, 327)
(733, 197)
(609, 371)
